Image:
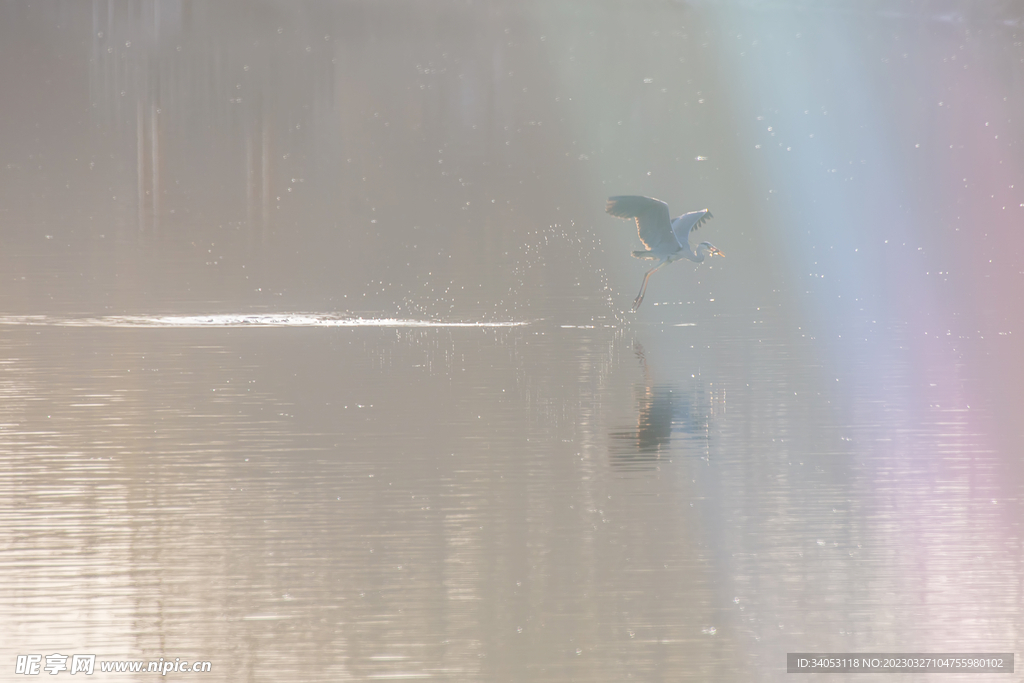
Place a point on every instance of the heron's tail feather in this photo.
(645, 254)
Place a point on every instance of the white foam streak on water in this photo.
(241, 320)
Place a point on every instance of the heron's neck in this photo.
(695, 256)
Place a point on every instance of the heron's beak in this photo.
(717, 251)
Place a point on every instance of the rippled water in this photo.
(317, 363)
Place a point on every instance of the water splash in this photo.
(242, 320)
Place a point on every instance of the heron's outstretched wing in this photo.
(687, 223)
(652, 221)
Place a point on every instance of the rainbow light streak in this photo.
(862, 171)
(894, 161)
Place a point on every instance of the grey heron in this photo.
(666, 238)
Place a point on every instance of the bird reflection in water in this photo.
(662, 411)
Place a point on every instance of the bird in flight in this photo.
(667, 239)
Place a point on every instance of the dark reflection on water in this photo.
(316, 359)
(662, 411)
(348, 157)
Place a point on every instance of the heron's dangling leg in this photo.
(643, 288)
